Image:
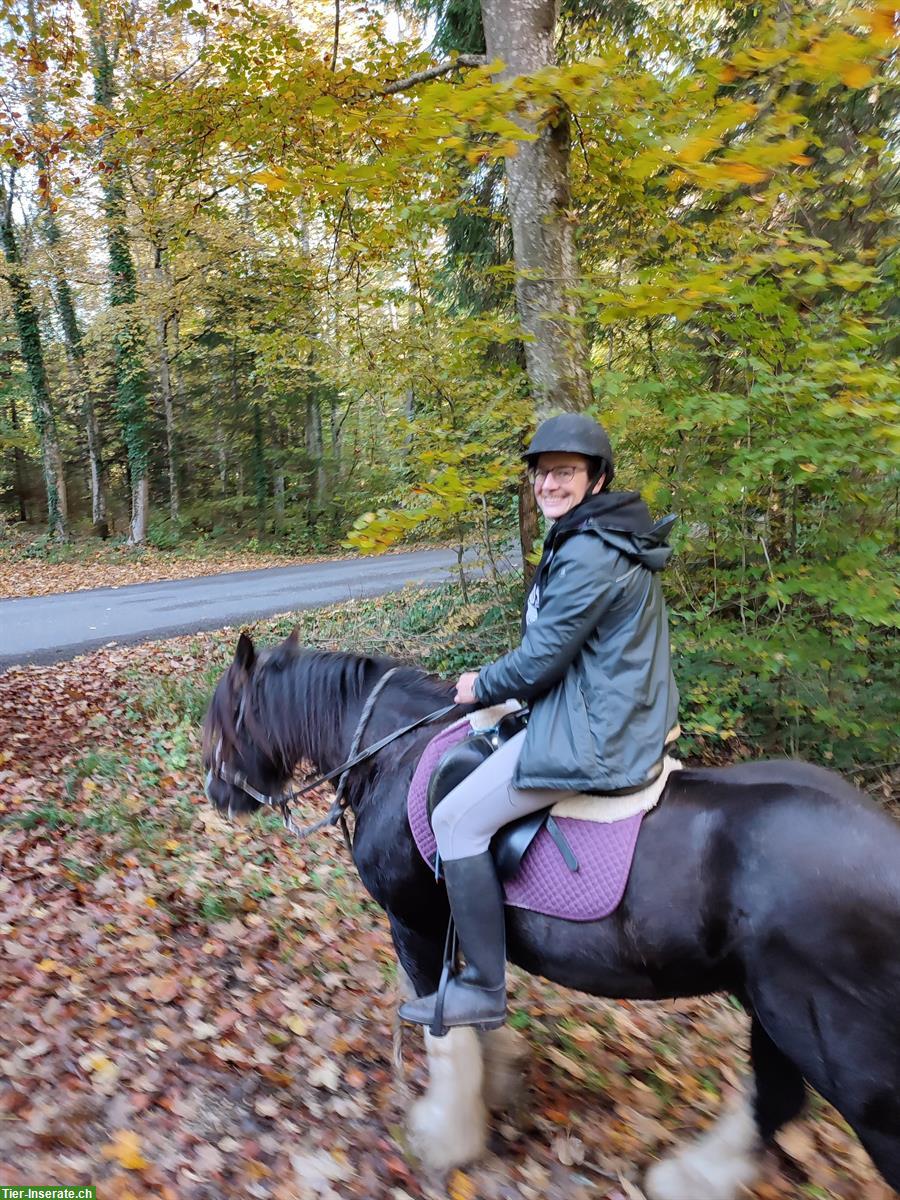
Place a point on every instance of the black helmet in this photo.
(572, 433)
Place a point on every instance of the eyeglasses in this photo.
(560, 474)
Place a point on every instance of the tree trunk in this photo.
(18, 461)
(260, 482)
(29, 331)
(78, 375)
(66, 305)
(165, 388)
(315, 451)
(278, 498)
(529, 528)
(128, 349)
(522, 35)
(164, 360)
(222, 455)
(236, 409)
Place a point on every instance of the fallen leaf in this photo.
(125, 1149)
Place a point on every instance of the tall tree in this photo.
(50, 228)
(166, 320)
(29, 330)
(523, 35)
(128, 347)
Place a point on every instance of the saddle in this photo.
(511, 842)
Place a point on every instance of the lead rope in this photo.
(339, 807)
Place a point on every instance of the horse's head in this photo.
(238, 748)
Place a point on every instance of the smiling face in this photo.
(560, 482)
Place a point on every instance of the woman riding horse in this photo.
(594, 666)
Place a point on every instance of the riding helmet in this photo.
(572, 433)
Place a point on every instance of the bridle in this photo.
(337, 813)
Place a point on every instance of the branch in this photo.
(337, 33)
(449, 64)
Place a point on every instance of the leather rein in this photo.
(337, 813)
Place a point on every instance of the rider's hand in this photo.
(465, 688)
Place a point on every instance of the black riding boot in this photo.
(477, 995)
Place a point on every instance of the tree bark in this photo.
(18, 461)
(165, 384)
(128, 349)
(278, 498)
(78, 374)
(66, 308)
(522, 34)
(165, 388)
(29, 331)
(315, 450)
(529, 528)
(260, 480)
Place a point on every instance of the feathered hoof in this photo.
(448, 1126)
(717, 1167)
(441, 1140)
(506, 1054)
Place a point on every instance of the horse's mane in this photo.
(293, 700)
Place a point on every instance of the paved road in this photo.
(45, 629)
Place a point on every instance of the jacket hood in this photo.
(623, 520)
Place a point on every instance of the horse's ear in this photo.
(245, 655)
(292, 641)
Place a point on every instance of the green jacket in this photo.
(594, 659)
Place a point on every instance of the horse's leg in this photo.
(505, 1051)
(421, 957)
(847, 1044)
(718, 1166)
(780, 1087)
(728, 1157)
(448, 1125)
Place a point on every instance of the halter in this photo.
(337, 812)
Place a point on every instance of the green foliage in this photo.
(332, 261)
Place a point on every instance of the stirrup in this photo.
(449, 970)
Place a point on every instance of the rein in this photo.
(337, 813)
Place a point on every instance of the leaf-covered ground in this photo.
(115, 566)
(192, 1010)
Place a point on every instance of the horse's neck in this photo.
(324, 743)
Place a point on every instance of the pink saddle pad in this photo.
(544, 884)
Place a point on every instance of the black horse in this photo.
(775, 881)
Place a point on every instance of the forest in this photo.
(294, 280)
(272, 280)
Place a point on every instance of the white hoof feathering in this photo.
(448, 1126)
(505, 1053)
(718, 1166)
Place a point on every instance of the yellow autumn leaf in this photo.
(297, 1025)
(460, 1187)
(95, 1061)
(47, 965)
(125, 1149)
(744, 172)
(884, 20)
(697, 148)
(104, 1071)
(275, 183)
(858, 75)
